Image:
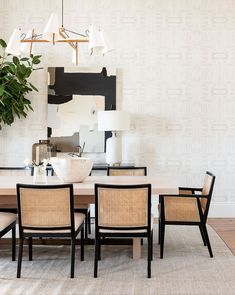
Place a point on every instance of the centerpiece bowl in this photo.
(71, 169)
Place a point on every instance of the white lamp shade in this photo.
(74, 57)
(25, 46)
(113, 120)
(107, 44)
(13, 46)
(96, 44)
(51, 28)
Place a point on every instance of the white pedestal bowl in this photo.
(71, 169)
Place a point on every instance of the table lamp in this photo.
(113, 121)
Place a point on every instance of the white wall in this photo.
(177, 61)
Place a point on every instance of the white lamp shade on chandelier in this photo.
(13, 46)
(51, 30)
(113, 121)
(98, 41)
(96, 44)
(106, 42)
(75, 57)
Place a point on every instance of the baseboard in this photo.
(222, 210)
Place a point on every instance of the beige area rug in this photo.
(186, 269)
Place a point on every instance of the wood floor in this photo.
(225, 228)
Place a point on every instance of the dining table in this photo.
(84, 191)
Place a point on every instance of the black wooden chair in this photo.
(187, 208)
(48, 211)
(7, 223)
(123, 211)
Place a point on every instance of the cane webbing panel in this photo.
(206, 189)
(122, 207)
(181, 209)
(45, 207)
(126, 172)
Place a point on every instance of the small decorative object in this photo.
(42, 150)
(15, 85)
(39, 170)
(71, 169)
(39, 174)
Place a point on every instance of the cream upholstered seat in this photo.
(48, 211)
(187, 208)
(6, 219)
(7, 223)
(78, 221)
(123, 211)
(128, 231)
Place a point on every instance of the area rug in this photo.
(186, 269)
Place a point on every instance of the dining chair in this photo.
(126, 171)
(123, 211)
(7, 223)
(189, 207)
(48, 211)
(85, 209)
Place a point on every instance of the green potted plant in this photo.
(14, 85)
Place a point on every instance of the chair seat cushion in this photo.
(78, 220)
(181, 209)
(127, 231)
(6, 219)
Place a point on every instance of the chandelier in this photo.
(22, 43)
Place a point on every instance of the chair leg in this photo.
(21, 244)
(207, 240)
(152, 245)
(72, 257)
(86, 226)
(149, 255)
(30, 249)
(202, 234)
(13, 243)
(89, 222)
(99, 249)
(82, 243)
(96, 257)
(159, 231)
(162, 237)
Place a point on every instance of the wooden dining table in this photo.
(84, 191)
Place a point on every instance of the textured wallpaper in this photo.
(176, 62)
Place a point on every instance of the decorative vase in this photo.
(39, 175)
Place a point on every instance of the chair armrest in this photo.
(193, 189)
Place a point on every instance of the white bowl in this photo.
(71, 169)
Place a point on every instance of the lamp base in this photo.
(113, 150)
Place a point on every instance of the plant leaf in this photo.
(1, 89)
(16, 60)
(34, 88)
(3, 43)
